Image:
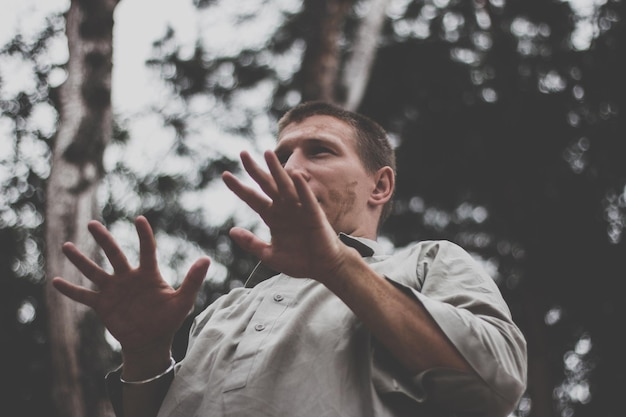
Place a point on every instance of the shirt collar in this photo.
(366, 247)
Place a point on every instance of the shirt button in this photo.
(259, 327)
(278, 298)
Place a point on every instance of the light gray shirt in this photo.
(288, 347)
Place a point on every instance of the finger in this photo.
(265, 180)
(86, 266)
(249, 242)
(284, 183)
(147, 243)
(194, 278)
(79, 294)
(248, 195)
(110, 247)
(305, 194)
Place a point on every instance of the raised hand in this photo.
(303, 242)
(140, 309)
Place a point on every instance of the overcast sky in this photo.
(138, 22)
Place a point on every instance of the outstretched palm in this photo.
(303, 243)
(138, 307)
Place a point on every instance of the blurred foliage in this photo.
(509, 125)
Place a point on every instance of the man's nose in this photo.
(297, 163)
(294, 161)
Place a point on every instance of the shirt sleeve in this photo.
(468, 307)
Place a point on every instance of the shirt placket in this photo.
(258, 333)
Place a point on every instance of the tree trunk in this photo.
(357, 70)
(85, 126)
(321, 61)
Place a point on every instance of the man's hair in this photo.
(373, 144)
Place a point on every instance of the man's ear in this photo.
(384, 186)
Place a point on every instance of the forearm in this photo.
(145, 400)
(396, 319)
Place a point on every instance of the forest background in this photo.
(507, 117)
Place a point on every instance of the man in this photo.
(326, 325)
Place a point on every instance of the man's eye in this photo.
(320, 150)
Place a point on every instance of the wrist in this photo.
(348, 263)
(156, 377)
(140, 365)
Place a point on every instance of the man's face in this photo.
(324, 149)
